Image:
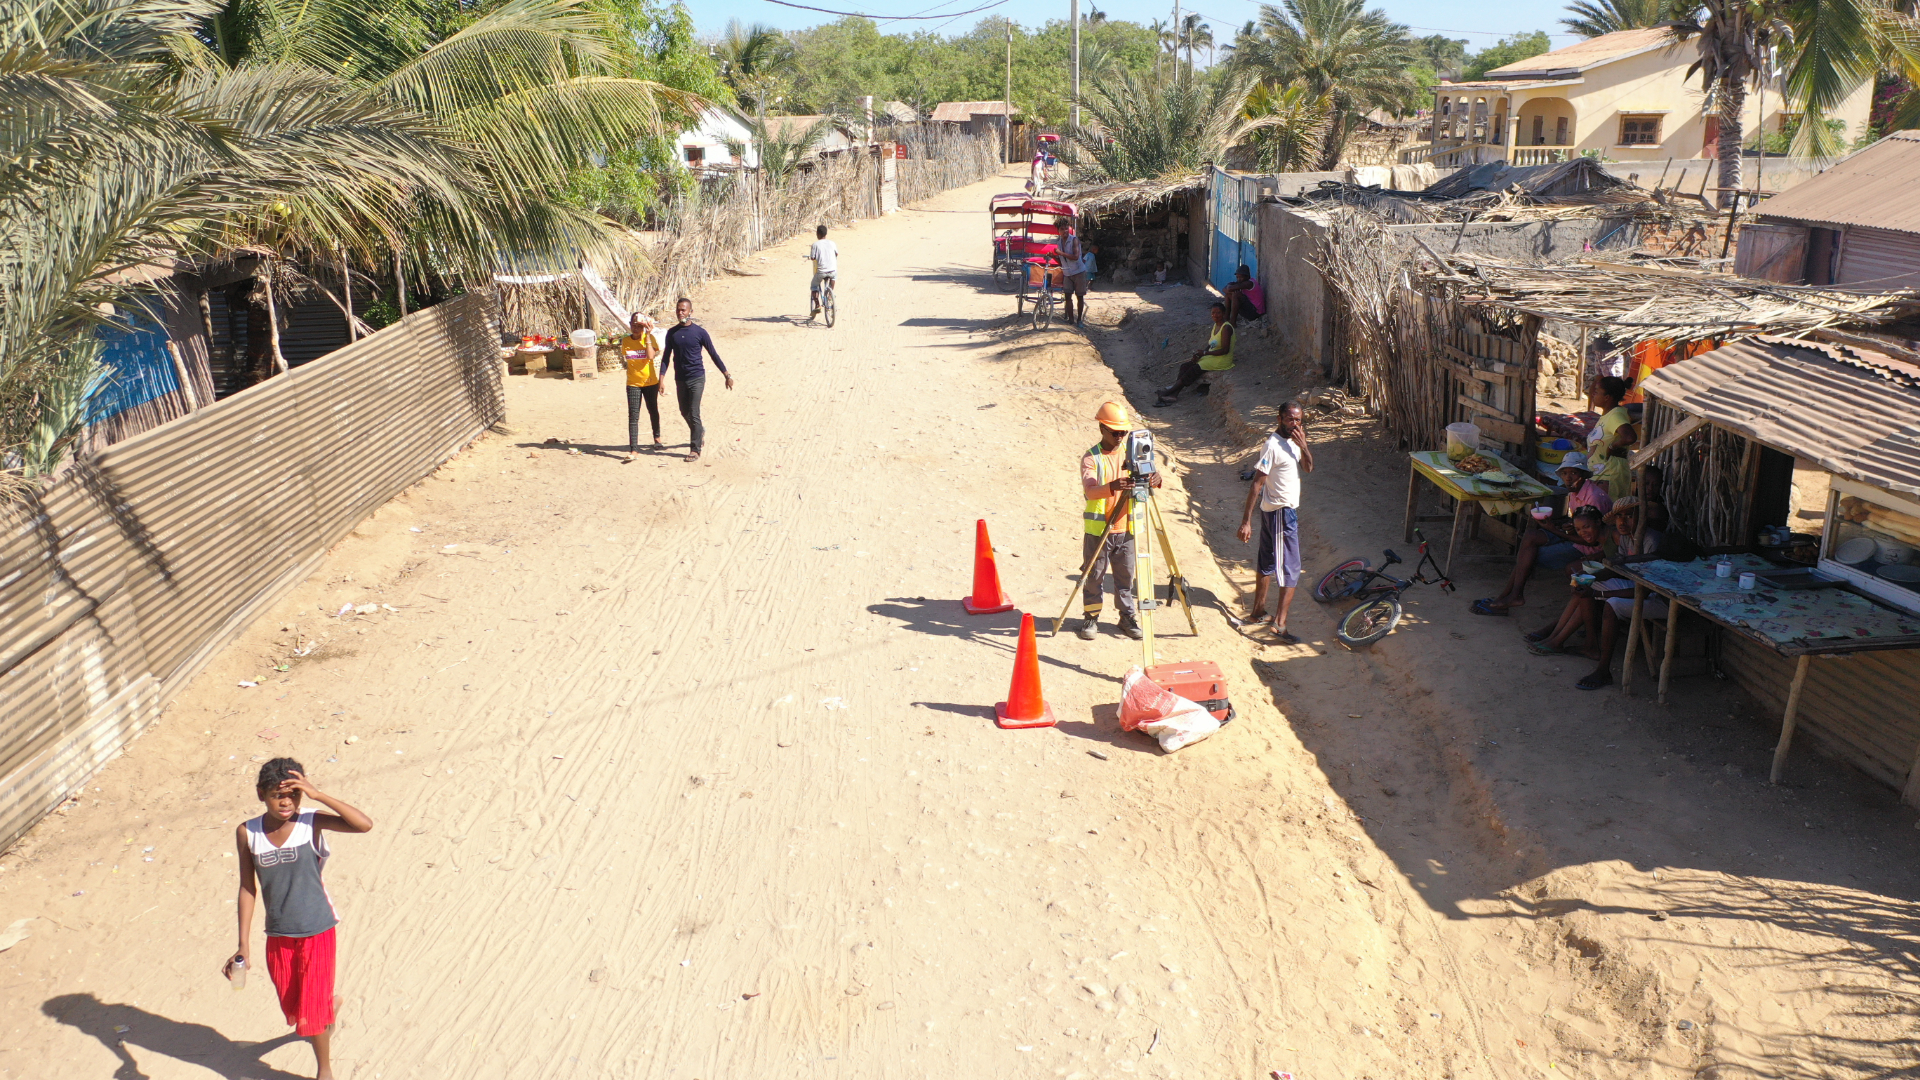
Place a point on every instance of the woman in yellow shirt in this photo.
(641, 350)
(1612, 438)
(1217, 356)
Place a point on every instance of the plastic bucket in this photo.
(1462, 439)
(1553, 450)
(583, 339)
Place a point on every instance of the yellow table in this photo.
(1466, 489)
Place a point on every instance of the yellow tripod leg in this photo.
(1173, 567)
(1143, 598)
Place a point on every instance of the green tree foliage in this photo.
(757, 63)
(140, 131)
(1296, 122)
(1591, 18)
(1829, 49)
(840, 62)
(1358, 59)
(1508, 50)
(1438, 57)
(1139, 126)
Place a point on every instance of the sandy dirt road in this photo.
(688, 771)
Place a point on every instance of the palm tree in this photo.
(1196, 33)
(1139, 127)
(1827, 50)
(1595, 17)
(140, 131)
(783, 143)
(1296, 122)
(756, 61)
(1336, 49)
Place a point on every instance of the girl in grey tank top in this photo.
(283, 854)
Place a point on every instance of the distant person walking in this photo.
(641, 351)
(684, 344)
(282, 853)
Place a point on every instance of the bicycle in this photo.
(1380, 608)
(822, 298)
(1046, 301)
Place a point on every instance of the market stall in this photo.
(1495, 486)
(1855, 413)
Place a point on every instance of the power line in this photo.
(886, 18)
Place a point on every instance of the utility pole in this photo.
(1176, 39)
(1075, 16)
(1007, 120)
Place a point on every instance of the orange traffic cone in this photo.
(988, 597)
(1025, 707)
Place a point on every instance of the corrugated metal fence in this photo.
(132, 569)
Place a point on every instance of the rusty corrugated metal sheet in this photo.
(125, 576)
(1878, 187)
(1854, 412)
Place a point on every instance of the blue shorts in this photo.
(1279, 545)
(1555, 556)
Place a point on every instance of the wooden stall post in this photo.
(1673, 638)
(1413, 499)
(1633, 634)
(1786, 724)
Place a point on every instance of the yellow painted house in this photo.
(1625, 95)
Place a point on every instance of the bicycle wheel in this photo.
(1006, 275)
(826, 304)
(1043, 311)
(1370, 621)
(1340, 580)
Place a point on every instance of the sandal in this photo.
(1282, 635)
(1537, 635)
(695, 456)
(1596, 680)
(1541, 648)
(1484, 606)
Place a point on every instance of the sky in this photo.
(1480, 23)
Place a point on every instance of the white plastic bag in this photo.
(1147, 706)
(1187, 724)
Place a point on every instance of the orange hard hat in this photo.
(1113, 415)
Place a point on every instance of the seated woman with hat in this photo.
(1553, 544)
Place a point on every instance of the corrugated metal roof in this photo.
(959, 112)
(1853, 412)
(1878, 187)
(1505, 85)
(1590, 53)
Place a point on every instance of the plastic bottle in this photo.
(238, 973)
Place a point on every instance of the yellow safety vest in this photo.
(1106, 469)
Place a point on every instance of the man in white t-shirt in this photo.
(826, 264)
(1275, 492)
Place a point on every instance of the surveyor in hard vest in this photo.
(1105, 484)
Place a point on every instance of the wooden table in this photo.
(1465, 491)
(1804, 650)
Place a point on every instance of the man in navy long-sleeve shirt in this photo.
(685, 341)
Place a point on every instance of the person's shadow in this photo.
(195, 1043)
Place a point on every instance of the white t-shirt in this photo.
(1280, 460)
(826, 257)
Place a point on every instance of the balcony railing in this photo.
(1454, 155)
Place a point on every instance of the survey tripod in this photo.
(1144, 513)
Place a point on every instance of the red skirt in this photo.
(302, 971)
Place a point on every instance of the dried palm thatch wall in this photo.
(717, 232)
(120, 580)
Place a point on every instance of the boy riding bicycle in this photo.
(826, 265)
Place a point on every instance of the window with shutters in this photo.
(1639, 131)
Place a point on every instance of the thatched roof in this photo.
(1637, 302)
(1496, 191)
(1134, 196)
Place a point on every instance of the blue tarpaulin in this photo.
(139, 368)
